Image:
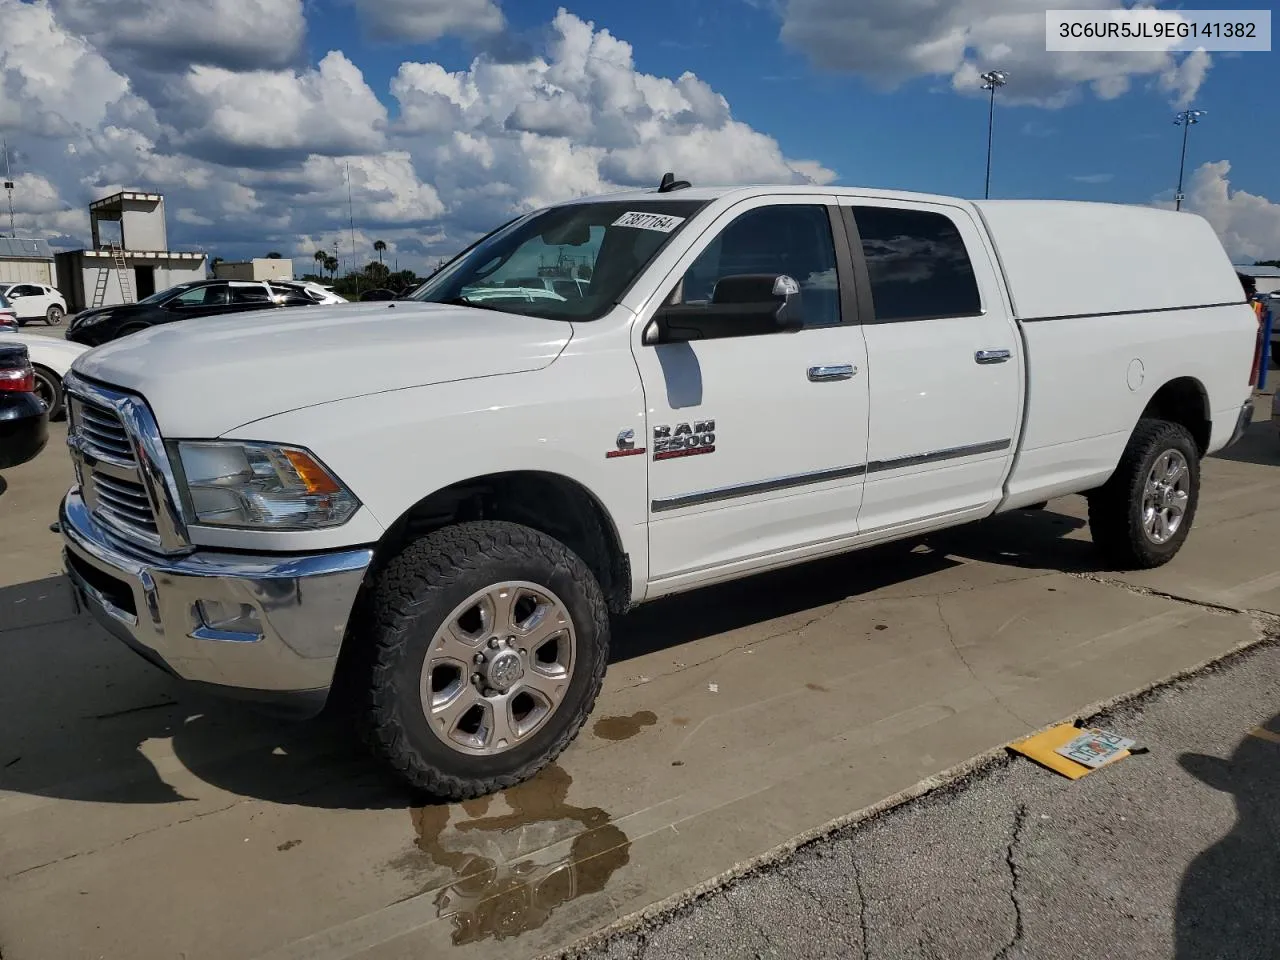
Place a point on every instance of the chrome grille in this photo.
(102, 430)
(110, 479)
(122, 466)
(125, 503)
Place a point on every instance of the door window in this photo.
(249, 294)
(211, 296)
(919, 267)
(790, 239)
(24, 290)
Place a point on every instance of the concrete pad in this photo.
(140, 822)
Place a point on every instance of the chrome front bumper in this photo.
(284, 646)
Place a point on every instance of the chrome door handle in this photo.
(991, 356)
(840, 371)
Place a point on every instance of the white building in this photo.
(135, 266)
(1266, 278)
(259, 268)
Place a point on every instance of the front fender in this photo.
(395, 448)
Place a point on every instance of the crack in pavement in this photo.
(813, 621)
(951, 638)
(1019, 929)
(862, 904)
(742, 918)
(121, 842)
(128, 710)
(1207, 605)
(785, 876)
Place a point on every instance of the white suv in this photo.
(35, 301)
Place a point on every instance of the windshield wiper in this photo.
(468, 302)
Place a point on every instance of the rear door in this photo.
(249, 295)
(756, 439)
(945, 366)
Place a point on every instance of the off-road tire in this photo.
(53, 316)
(1115, 509)
(411, 597)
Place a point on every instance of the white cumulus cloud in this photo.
(169, 35)
(1248, 224)
(892, 41)
(421, 21)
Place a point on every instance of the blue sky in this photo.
(247, 113)
(922, 136)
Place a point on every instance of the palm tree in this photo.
(379, 245)
(274, 255)
(331, 264)
(322, 258)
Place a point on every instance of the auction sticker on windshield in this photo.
(662, 222)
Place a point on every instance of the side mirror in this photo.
(743, 305)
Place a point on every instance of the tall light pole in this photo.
(8, 188)
(992, 80)
(1184, 120)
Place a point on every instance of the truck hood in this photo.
(205, 376)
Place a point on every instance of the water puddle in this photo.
(624, 728)
(511, 860)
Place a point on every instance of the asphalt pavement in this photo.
(1171, 853)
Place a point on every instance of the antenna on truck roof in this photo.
(670, 183)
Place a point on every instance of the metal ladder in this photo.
(122, 275)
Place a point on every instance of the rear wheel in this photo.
(486, 650)
(1141, 517)
(53, 316)
(49, 389)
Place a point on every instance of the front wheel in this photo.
(53, 316)
(486, 650)
(1142, 515)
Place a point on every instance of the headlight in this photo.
(90, 320)
(261, 485)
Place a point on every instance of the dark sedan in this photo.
(24, 418)
(201, 298)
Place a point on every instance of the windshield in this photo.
(572, 262)
(160, 296)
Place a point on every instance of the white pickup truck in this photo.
(436, 503)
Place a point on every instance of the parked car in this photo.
(200, 298)
(51, 358)
(379, 293)
(35, 301)
(436, 504)
(318, 292)
(8, 316)
(24, 419)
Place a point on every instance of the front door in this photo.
(756, 440)
(29, 301)
(944, 363)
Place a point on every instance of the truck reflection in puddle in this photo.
(511, 871)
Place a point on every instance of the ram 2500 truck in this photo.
(436, 503)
